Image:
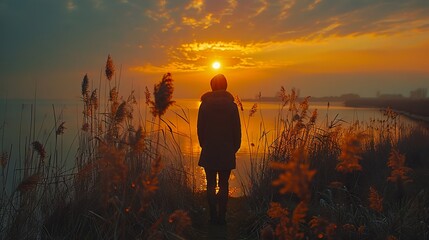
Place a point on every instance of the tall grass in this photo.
(112, 190)
(339, 180)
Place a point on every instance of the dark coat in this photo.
(219, 130)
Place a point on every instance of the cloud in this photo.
(197, 57)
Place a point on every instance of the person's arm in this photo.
(201, 122)
(236, 128)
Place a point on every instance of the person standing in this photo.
(219, 135)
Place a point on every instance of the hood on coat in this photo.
(217, 97)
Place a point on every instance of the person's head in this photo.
(218, 82)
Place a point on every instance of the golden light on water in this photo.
(216, 65)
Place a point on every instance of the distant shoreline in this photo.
(417, 109)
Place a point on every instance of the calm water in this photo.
(16, 129)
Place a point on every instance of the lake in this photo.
(19, 126)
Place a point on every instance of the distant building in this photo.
(419, 93)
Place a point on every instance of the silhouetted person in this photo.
(219, 134)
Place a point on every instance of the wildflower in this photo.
(163, 93)
(110, 68)
(319, 226)
(38, 147)
(296, 176)
(60, 129)
(29, 183)
(181, 221)
(299, 213)
(276, 211)
(350, 151)
(288, 228)
(397, 164)
(375, 200)
(253, 110)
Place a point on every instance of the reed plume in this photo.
(94, 99)
(148, 99)
(253, 110)
(237, 101)
(121, 112)
(284, 97)
(85, 86)
(40, 149)
(60, 129)
(110, 68)
(163, 93)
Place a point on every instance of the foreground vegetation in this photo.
(306, 181)
(340, 180)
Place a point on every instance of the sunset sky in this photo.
(321, 47)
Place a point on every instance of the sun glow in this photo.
(216, 65)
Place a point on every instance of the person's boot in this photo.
(213, 214)
(222, 213)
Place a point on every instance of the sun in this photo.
(216, 65)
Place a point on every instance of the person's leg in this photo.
(211, 194)
(223, 194)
